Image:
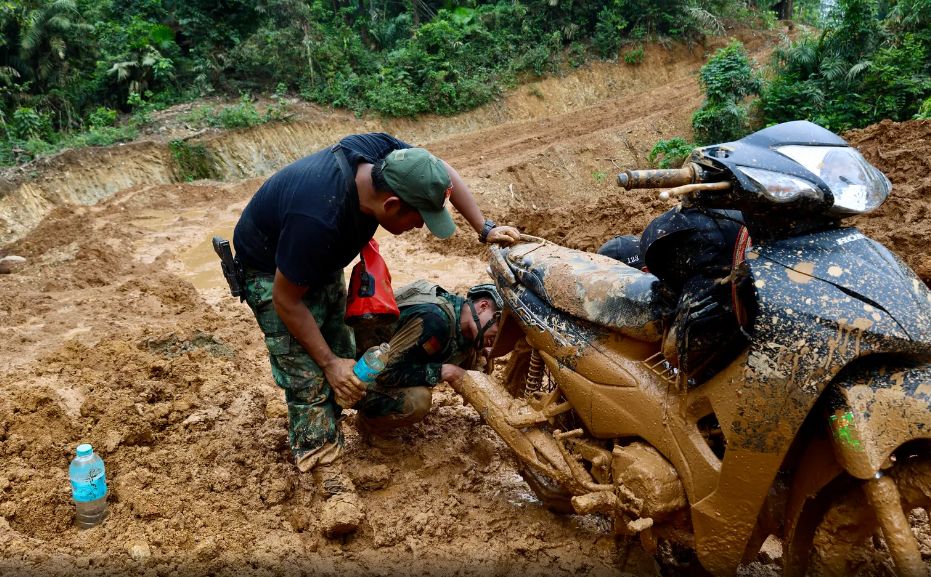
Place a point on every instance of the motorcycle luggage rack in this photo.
(659, 366)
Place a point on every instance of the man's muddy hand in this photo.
(452, 374)
(506, 235)
(347, 388)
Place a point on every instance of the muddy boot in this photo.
(342, 511)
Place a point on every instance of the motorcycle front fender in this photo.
(875, 408)
(509, 332)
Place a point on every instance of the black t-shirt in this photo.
(303, 222)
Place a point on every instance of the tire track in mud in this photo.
(497, 148)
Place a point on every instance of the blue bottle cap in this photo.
(85, 450)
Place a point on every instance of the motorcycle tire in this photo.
(847, 539)
(677, 560)
(551, 495)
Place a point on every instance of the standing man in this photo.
(456, 331)
(304, 225)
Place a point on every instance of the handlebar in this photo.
(668, 178)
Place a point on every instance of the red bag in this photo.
(370, 300)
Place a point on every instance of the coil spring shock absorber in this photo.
(534, 372)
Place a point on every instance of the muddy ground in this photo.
(117, 331)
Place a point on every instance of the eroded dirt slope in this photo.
(117, 331)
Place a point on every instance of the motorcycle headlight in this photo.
(781, 187)
(858, 186)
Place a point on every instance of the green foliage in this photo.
(862, 68)
(86, 63)
(924, 111)
(728, 79)
(808, 12)
(17, 150)
(729, 75)
(897, 76)
(99, 136)
(241, 115)
(142, 108)
(278, 110)
(52, 36)
(720, 122)
(102, 117)
(141, 55)
(192, 161)
(670, 153)
(27, 123)
(634, 56)
(577, 54)
(609, 29)
(244, 114)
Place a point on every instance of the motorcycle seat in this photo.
(590, 286)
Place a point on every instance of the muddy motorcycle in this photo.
(817, 433)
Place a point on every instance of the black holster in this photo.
(232, 268)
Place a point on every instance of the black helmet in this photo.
(480, 291)
(624, 248)
(487, 290)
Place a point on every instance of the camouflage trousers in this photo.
(313, 415)
(387, 408)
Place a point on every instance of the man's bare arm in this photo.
(465, 204)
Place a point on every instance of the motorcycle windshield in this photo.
(860, 267)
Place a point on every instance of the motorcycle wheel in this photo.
(554, 498)
(677, 560)
(848, 540)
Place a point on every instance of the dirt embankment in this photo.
(902, 150)
(118, 334)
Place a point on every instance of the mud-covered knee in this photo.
(417, 402)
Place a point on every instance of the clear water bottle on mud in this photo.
(371, 363)
(88, 487)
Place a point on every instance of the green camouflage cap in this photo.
(420, 179)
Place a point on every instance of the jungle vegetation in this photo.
(860, 61)
(86, 72)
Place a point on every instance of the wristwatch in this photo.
(486, 228)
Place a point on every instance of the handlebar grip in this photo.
(667, 178)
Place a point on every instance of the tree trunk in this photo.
(783, 9)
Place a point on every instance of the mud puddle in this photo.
(199, 264)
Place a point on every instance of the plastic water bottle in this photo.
(88, 487)
(371, 363)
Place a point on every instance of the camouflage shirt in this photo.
(422, 363)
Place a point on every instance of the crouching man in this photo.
(456, 331)
(304, 225)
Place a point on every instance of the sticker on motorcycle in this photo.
(844, 430)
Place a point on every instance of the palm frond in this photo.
(58, 22)
(7, 74)
(801, 56)
(833, 69)
(707, 22)
(33, 35)
(122, 69)
(857, 68)
(58, 47)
